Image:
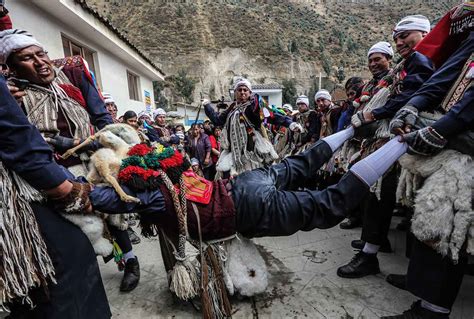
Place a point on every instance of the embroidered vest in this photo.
(460, 86)
(43, 104)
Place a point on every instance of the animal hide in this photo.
(246, 268)
(91, 225)
(112, 138)
(440, 187)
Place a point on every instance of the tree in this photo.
(312, 91)
(340, 75)
(293, 47)
(212, 92)
(326, 61)
(184, 85)
(179, 12)
(289, 91)
(160, 99)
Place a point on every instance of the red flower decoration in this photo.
(139, 150)
(173, 161)
(126, 174)
(150, 173)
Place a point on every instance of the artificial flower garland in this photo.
(140, 169)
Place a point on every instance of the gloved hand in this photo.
(404, 120)
(61, 143)
(425, 141)
(76, 201)
(296, 127)
(360, 118)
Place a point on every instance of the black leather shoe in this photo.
(384, 248)
(351, 222)
(399, 281)
(418, 312)
(131, 275)
(358, 244)
(361, 265)
(133, 236)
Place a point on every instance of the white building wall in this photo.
(112, 71)
(274, 96)
(189, 114)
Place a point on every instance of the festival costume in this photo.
(163, 133)
(33, 162)
(263, 202)
(390, 94)
(244, 143)
(310, 122)
(438, 256)
(400, 83)
(63, 109)
(350, 151)
(441, 284)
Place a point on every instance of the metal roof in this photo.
(269, 86)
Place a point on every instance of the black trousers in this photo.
(377, 214)
(268, 204)
(121, 237)
(433, 277)
(79, 292)
(209, 172)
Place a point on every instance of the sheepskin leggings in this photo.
(79, 292)
(434, 278)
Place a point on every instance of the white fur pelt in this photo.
(91, 225)
(440, 187)
(245, 270)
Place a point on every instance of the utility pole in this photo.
(319, 83)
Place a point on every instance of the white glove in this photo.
(296, 127)
(205, 102)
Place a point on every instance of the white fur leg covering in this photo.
(336, 140)
(371, 168)
(246, 267)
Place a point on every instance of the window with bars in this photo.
(133, 86)
(71, 48)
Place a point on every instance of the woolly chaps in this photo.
(440, 188)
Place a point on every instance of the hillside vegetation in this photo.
(268, 41)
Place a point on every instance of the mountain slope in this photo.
(213, 41)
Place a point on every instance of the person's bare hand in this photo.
(16, 92)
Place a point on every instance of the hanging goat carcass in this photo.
(115, 139)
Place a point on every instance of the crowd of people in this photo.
(286, 168)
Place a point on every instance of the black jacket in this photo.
(418, 70)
